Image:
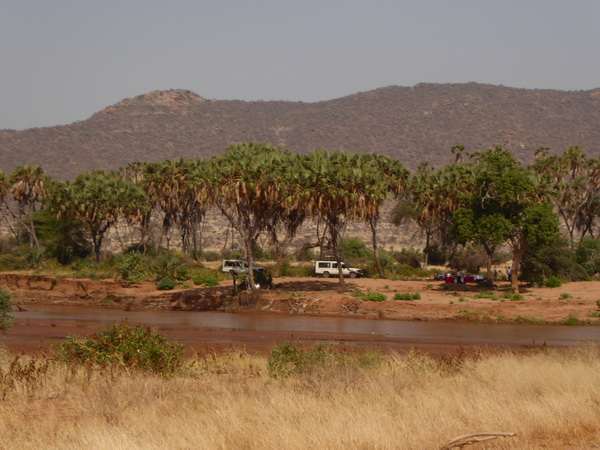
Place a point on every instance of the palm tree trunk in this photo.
(250, 258)
(426, 251)
(279, 253)
(373, 224)
(336, 253)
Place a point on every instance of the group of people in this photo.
(265, 282)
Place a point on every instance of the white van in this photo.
(237, 266)
(330, 268)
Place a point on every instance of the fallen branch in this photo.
(474, 438)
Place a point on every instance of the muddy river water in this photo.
(41, 326)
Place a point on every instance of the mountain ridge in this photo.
(413, 124)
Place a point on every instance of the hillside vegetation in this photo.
(413, 124)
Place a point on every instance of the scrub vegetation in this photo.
(304, 397)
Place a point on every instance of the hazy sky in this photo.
(63, 60)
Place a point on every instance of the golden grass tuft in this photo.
(228, 400)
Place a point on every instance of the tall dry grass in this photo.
(549, 399)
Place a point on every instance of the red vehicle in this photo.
(457, 279)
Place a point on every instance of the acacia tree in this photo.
(509, 194)
(245, 184)
(97, 199)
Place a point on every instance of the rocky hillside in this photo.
(414, 124)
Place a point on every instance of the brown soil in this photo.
(317, 296)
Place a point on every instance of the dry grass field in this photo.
(549, 398)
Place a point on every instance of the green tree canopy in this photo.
(508, 202)
(98, 199)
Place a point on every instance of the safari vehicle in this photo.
(237, 266)
(330, 268)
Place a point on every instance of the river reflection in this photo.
(230, 327)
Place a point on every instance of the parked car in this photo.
(330, 268)
(238, 266)
(460, 279)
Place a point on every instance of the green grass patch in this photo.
(486, 294)
(407, 296)
(530, 320)
(375, 297)
(512, 296)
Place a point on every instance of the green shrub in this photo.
(553, 282)
(557, 259)
(13, 262)
(166, 284)
(206, 277)
(408, 257)
(375, 297)
(134, 346)
(588, 255)
(132, 267)
(407, 296)
(169, 265)
(285, 360)
(354, 248)
(6, 305)
(211, 281)
(513, 297)
(572, 320)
